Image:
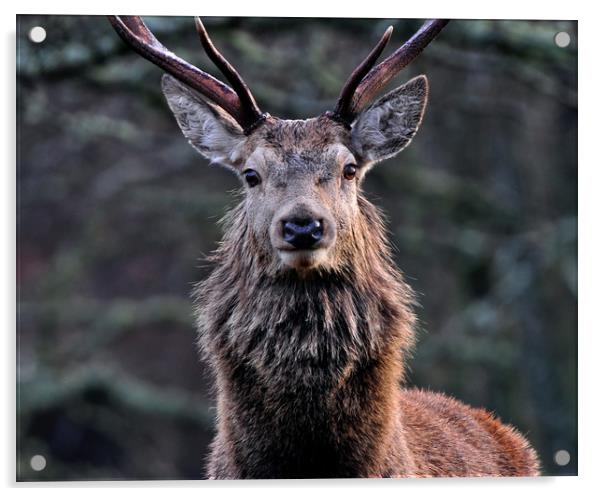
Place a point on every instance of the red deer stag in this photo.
(305, 320)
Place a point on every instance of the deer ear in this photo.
(208, 128)
(389, 124)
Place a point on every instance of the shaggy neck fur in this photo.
(308, 368)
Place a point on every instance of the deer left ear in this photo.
(389, 124)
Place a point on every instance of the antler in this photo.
(362, 85)
(238, 102)
(346, 96)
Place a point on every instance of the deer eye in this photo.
(349, 171)
(251, 177)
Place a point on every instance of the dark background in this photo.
(115, 212)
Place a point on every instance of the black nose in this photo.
(302, 233)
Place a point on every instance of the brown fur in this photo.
(308, 347)
(308, 373)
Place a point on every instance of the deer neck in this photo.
(308, 369)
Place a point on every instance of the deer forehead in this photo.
(289, 147)
(281, 164)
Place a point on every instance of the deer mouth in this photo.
(303, 259)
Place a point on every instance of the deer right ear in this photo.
(208, 128)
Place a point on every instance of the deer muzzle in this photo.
(303, 236)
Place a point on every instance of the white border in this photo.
(590, 247)
(509, 9)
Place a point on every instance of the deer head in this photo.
(302, 178)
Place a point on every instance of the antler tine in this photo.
(238, 84)
(345, 97)
(241, 106)
(380, 75)
(357, 93)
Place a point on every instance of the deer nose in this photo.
(302, 233)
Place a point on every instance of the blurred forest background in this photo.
(116, 211)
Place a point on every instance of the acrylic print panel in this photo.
(304, 321)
